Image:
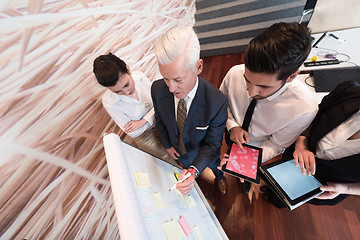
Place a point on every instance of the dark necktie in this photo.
(181, 118)
(248, 115)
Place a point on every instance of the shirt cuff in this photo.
(231, 125)
(197, 173)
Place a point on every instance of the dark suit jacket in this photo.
(204, 127)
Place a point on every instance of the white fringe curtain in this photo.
(53, 175)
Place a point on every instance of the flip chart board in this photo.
(146, 211)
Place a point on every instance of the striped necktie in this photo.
(181, 118)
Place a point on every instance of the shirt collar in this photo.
(278, 92)
(192, 93)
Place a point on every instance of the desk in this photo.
(329, 44)
(309, 82)
(139, 215)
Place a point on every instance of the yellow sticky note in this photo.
(158, 201)
(177, 176)
(142, 179)
(197, 233)
(172, 230)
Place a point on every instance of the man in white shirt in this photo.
(284, 106)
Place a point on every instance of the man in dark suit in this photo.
(190, 113)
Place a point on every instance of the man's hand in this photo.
(186, 186)
(173, 153)
(223, 160)
(133, 125)
(239, 136)
(305, 159)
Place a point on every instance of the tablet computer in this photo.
(290, 184)
(245, 164)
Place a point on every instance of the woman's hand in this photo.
(133, 125)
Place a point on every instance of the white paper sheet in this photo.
(130, 219)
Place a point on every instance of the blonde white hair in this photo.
(176, 42)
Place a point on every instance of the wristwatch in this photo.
(196, 173)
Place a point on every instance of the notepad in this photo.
(184, 225)
(172, 230)
(185, 201)
(147, 204)
(158, 201)
(197, 233)
(171, 177)
(142, 179)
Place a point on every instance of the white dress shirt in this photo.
(336, 143)
(188, 98)
(277, 120)
(123, 108)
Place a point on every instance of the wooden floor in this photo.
(261, 220)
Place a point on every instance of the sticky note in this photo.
(185, 201)
(142, 179)
(171, 177)
(148, 210)
(175, 169)
(197, 233)
(184, 225)
(158, 201)
(177, 176)
(172, 230)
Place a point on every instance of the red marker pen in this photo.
(192, 171)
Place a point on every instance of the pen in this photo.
(337, 38)
(184, 178)
(322, 36)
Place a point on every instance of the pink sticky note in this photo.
(185, 225)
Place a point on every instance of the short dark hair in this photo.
(108, 68)
(281, 49)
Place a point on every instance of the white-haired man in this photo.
(190, 113)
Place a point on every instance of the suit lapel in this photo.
(168, 106)
(197, 106)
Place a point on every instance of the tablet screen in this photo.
(244, 164)
(292, 181)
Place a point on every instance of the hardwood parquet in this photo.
(242, 219)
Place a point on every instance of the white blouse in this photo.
(335, 144)
(123, 108)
